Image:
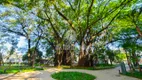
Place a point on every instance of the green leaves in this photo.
(95, 22)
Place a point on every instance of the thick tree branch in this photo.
(110, 12)
(139, 31)
(52, 26)
(89, 11)
(16, 32)
(108, 24)
(64, 17)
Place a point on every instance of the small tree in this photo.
(111, 55)
(131, 46)
(35, 53)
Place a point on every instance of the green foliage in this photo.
(72, 76)
(97, 67)
(121, 57)
(37, 52)
(134, 74)
(25, 57)
(49, 52)
(85, 22)
(131, 45)
(14, 69)
(110, 54)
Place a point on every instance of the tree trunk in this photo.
(82, 56)
(128, 60)
(33, 58)
(0, 62)
(58, 56)
(96, 60)
(90, 56)
(62, 57)
(35, 50)
(29, 52)
(135, 62)
(110, 61)
(72, 58)
(0, 59)
(66, 59)
(55, 60)
(91, 61)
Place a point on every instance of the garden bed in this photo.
(72, 76)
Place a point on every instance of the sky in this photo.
(21, 44)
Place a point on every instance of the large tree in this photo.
(91, 24)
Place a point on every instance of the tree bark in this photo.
(85, 58)
(0, 62)
(55, 60)
(66, 59)
(29, 52)
(139, 31)
(96, 60)
(91, 61)
(82, 56)
(59, 59)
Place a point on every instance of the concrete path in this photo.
(109, 74)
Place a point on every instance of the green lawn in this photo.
(134, 74)
(97, 67)
(72, 76)
(14, 69)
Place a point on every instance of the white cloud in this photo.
(22, 42)
(8, 45)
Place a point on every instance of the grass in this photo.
(14, 69)
(72, 76)
(97, 67)
(135, 74)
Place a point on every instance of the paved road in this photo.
(110, 74)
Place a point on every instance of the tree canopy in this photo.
(60, 26)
